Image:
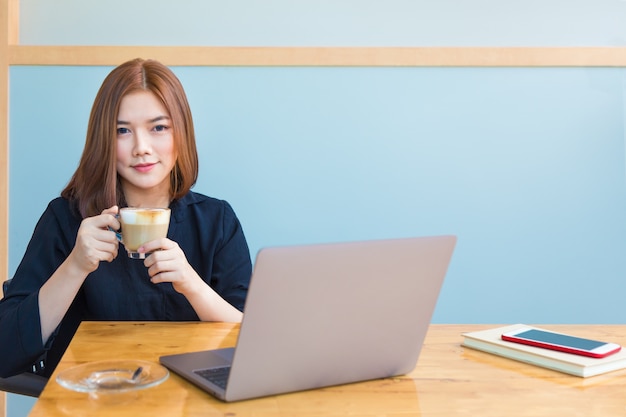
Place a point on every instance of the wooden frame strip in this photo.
(8, 35)
(7, 14)
(13, 20)
(321, 56)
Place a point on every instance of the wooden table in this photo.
(449, 380)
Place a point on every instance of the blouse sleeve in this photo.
(21, 345)
(232, 267)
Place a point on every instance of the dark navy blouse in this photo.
(206, 229)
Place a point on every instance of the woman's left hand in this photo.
(167, 263)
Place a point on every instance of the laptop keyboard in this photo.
(218, 376)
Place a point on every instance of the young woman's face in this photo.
(145, 149)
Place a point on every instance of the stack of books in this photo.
(491, 341)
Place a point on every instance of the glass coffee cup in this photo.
(141, 225)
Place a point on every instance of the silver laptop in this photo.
(328, 314)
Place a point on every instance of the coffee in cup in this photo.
(142, 225)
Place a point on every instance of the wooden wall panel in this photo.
(322, 56)
(7, 13)
(8, 19)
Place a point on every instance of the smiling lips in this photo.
(144, 167)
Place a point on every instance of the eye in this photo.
(160, 128)
(122, 130)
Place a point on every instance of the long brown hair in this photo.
(95, 184)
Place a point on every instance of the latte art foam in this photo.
(145, 216)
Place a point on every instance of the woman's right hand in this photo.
(96, 241)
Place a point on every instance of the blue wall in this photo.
(525, 165)
(324, 22)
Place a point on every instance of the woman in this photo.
(140, 151)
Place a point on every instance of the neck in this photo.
(147, 198)
(148, 203)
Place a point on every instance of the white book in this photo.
(491, 341)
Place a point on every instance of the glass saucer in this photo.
(112, 376)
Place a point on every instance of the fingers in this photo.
(101, 251)
(95, 240)
(90, 250)
(164, 255)
(157, 245)
(169, 270)
(176, 271)
(166, 262)
(109, 217)
(163, 276)
(114, 210)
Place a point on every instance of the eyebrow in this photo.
(156, 119)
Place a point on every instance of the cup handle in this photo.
(118, 235)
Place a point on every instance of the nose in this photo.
(142, 143)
